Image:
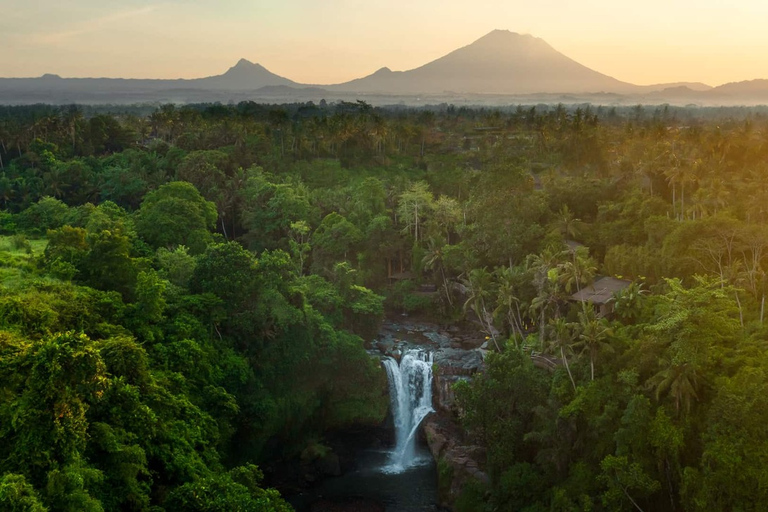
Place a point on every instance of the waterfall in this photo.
(410, 393)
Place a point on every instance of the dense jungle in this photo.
(187, 294)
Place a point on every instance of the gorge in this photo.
(422, 362)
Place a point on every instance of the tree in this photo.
(176, 214)
(562, 341)
(578, 271)
(414, 208)
(625, 480)
(680, 380)
(628, 304)
(731, 472)
(17, 495)
(593, 337)
(434, 260)
(299, 244)
(176, 265)
(446, 215)
(66, 376)
(480, 286)
(499, 405)
(223, 493)
(270, 208)
(694, 327)
(108, 264)
(509, 296)
(333, 240)
(567, 224)
(546, 278)
(48, 213)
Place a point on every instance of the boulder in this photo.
(452, 361)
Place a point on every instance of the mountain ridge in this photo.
(500, 63)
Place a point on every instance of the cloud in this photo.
(90, 26)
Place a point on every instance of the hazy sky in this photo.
(330, 41)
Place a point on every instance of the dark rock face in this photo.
(442, 395)
(452, 365)
(464, 461)
(456, 353)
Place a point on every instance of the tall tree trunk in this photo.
(445, 285)
(484, 318)
(741, 313)
(224, 229)
(567, 368)
(682, 200)
(674, 200)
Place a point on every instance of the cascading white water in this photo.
(410, 392)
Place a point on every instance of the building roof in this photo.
(573, 245)
(601, 291)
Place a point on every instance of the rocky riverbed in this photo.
(458, 354)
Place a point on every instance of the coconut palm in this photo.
(508, 300)
(580, 270)
(434, 260)
(480, 286)
(594, 333)
(628, 303)
(568, 225)
(562, 340)
(679, 380)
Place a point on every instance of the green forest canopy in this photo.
(186, 292)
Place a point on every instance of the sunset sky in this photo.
(331, 41)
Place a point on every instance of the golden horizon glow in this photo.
(335, 41)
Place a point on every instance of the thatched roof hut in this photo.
(601, 292)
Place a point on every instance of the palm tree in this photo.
(567, 224)
(433, 259)
(72, 116)
(673, 178)
(593, 336)
(680, 380)
(480, 286)
(712, 196)
(628, 303)
(6, 191)
(545, 267)
(578, 271)
(562, 339)
(507, 299)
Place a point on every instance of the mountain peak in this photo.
(244, 64)
(505, 36)
(246, 75)
(500, 62)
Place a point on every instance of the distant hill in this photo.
(244, 75)
(500, 67)
(692, 86)
(501, 62)
(748, 88)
